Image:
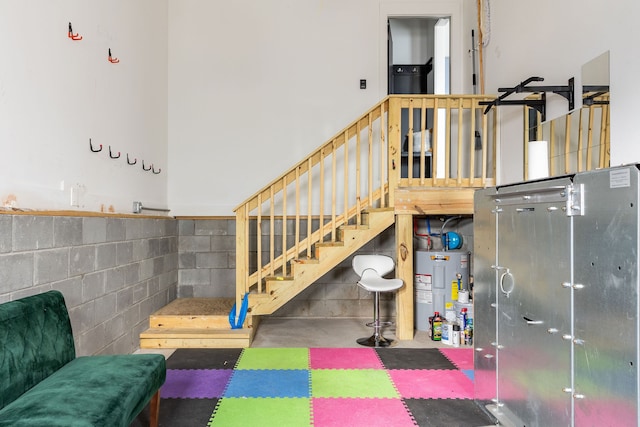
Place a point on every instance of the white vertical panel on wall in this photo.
(57, 93)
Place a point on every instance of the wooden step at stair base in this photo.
(196, 323)
(196, 338)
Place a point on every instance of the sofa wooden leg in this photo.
(154, 410)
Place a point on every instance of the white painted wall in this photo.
(256, 86)
(56, 93)
(553, 39)
(224, 96)
(412, 40)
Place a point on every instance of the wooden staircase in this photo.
(327, 206)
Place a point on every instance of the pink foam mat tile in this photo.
(432, 384)
(344, 358)
(461, 357)
(339, 412)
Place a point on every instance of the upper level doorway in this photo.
(446, 19)
(418, 55)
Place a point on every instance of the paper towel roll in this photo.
(463, 297)
(538, 160)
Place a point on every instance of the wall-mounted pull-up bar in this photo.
(540, 105)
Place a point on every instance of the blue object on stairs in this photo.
(237, 323)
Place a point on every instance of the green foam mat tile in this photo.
(259, 412)
(363, 383)
(274, 358)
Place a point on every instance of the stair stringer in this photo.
(281, 290)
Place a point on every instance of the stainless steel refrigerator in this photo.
(556, 300)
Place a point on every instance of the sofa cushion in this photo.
(36, 341)
(90, 391)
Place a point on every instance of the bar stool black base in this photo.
(374, 341)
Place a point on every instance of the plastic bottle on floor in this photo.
(436, 327)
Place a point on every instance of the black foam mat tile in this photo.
(186, 412)
(204, 358)
(413, 358)
(448, 413)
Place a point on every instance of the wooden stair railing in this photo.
(463, 141)
(359, 169)
(578, 141)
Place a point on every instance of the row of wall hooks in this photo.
(129, 162)
(77, 37)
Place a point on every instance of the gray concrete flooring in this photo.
(321, 332)
(342, 332)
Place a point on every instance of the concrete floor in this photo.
(299, 332)
(343, 332)
(320, 332)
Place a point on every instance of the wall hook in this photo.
(111, 154)
(73, 36)
(130, 162)
(112, 59)
(92, 149)
(146, 169)
(154, 171)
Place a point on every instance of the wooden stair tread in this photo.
(279, 278)
(330, 244)
(305, 261)
(355, 227)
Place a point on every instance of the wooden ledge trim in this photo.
(434, 201)
(81, 214)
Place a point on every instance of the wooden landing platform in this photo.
(197, 306)
(195, 323)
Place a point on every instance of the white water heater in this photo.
(436, 282)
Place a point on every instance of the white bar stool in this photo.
(371, 269)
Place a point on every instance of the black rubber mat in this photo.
(413, 358)
(448, 413)
(204, 358)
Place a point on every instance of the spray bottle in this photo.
(436, 327)
(462, 318)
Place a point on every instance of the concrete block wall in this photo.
(114, 272)
(207, 258)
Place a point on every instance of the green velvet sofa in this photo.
(43, 383)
